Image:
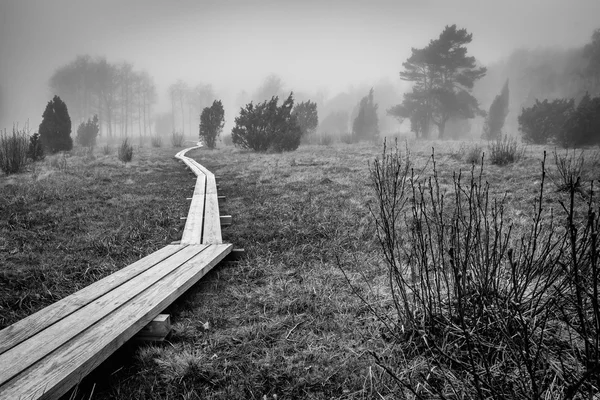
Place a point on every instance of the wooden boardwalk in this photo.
(49, 352)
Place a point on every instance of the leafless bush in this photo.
(474, 155)
(488, 312)
(156, 141)
(177, 139)
(569, 170)
(504, 151)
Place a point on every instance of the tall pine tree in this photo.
(55, 129)
(366, 123)
(494, 122)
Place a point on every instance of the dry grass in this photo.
(73, 219)
(282, 323)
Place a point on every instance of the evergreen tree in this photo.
(443, 77)
(55, 128)
(366, 123)
(212, 120)
(494, 122)
(87, 132)
(266, 126)
(306, 114)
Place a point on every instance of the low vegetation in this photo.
(311, 311)
(13, 150)
(125, 152)
(177, 139)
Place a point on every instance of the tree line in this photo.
(122, 98)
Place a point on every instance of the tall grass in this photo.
(13, 150)
(482, 309)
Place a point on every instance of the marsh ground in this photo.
(282, 323)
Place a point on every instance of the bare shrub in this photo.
(482, 311)
(568, 170)
(505, 151)
(13, 150)
(156, 141)
(177, 139)
(125, 151)
(474, 155)
(106, 149)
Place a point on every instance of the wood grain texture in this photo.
(53, 376)
(30, 326)
(44, 342)
(192, 233)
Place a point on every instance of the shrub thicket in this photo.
(13, 151)
(543, 122)
(35, 151)
(482, 310)
(87, 132)
(55, 128)
(212, 121)
(266, 126)
(582, 126)
(125, 152)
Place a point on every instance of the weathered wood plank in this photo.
(212, 221)
(44, 342)
(192, 232)
(79, 356)
(28, 327)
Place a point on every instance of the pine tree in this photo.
(55, 129)
(212, 120)
(366, 123)
(494, 122)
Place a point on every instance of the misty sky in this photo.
(234, 44)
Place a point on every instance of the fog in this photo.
(329, 51)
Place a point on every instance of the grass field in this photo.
(282, 323)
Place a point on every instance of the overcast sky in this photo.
(234, 44)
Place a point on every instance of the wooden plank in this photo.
(57, 374)
(43, 343)
(212, 221)
(192, 232)
(28, 327)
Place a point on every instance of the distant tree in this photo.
(335, 123)
(266, 126)
(543, 122)
(87, 132)
(212, 121)
(443, 77)
(415, 108)
(494, 122)
(178, 94)
(582, 125)
(271, 87)
(366, 123)
(591, 52)
(55, 128)
(306, 114)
